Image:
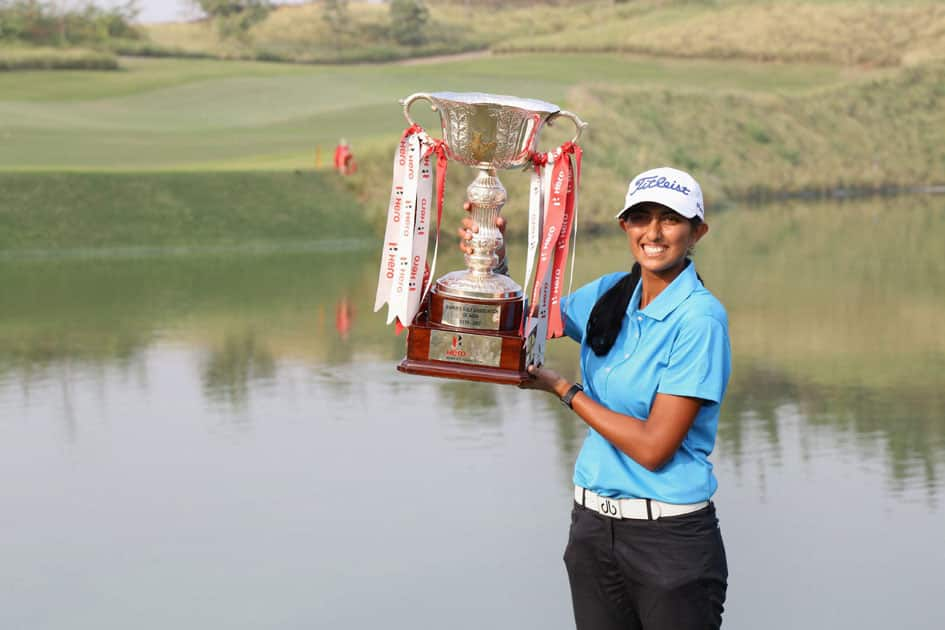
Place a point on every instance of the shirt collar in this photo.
(671, 297)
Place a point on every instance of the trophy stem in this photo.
(487, 196)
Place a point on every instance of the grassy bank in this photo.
(849, 32)
(880, 134)
(866, 136)
(53, 214)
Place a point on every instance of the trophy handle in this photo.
(578, 123)
(407, 102)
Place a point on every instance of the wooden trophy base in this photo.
(467, 339)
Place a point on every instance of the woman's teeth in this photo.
(653, 250)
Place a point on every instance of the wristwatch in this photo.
(570, 394)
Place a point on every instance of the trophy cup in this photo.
(470, 324)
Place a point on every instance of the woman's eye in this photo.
(670, 219)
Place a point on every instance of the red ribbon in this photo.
(538, 159)
(439, 148)
(559, 216)
(554, 213)
(555, 322)
(412, 129)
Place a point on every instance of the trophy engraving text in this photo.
(465, 315)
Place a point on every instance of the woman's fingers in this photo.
(466, 232)
(468, 223)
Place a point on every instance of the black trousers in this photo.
(633, 574)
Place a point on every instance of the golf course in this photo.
(205, 407)
(755, 123)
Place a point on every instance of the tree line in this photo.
(43, 23)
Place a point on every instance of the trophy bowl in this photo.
(487, 130)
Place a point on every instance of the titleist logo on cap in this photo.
(655, 181)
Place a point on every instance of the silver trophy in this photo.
(474, 317)
(488, 132)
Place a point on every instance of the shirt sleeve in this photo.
(699, 362)
(573, 328)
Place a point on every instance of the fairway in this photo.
(173, 114)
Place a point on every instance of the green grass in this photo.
(67, 213)
(745, 129)
(137, 76)
(201, 114)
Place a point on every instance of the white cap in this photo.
(667, 186)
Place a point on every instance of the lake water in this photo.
(219, 439)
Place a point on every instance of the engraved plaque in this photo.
(462, 347)
(466, 315)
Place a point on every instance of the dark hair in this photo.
(606, 318)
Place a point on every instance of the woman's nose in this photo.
(653, 231)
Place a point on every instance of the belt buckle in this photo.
(609, 507)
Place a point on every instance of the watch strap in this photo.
(570, 394)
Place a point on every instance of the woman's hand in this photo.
(470, 228)
(546, 380)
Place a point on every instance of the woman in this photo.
(644, 549)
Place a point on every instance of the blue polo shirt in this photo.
(677, 345)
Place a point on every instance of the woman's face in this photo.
(660, 238)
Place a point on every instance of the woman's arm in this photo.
(651, 443)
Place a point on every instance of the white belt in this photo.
(646, 509)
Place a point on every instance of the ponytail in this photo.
(606, 318)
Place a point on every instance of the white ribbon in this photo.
(536, 209)
(538, 322)
(390, 254)
(574, 223)
(402, 263)
(421, 235)
(426, 191)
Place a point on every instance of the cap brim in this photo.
(644, 197)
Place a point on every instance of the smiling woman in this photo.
(645, 548)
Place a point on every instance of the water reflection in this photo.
(904, 424)
(849, 337)
(242, 361)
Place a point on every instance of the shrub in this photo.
(55, 59)
(407, 21)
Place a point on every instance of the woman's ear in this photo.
(700, 232)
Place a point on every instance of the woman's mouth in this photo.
(654, 250)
